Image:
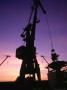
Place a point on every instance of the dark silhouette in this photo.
(54, 56)
(57, 76)
(28, 52)
(57, 72)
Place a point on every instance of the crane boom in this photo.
(4, 60)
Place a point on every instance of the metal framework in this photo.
(28, 52)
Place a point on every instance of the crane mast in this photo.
(28, 52)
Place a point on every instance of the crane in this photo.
(28, 52)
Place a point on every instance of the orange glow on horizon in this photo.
(10, 69)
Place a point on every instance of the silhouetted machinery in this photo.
(57, 71)
(28, 52)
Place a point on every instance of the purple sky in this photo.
(14, 15)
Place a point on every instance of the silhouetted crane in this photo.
(28, 53)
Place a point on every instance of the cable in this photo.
(49, 32)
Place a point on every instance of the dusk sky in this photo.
(14, 16)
